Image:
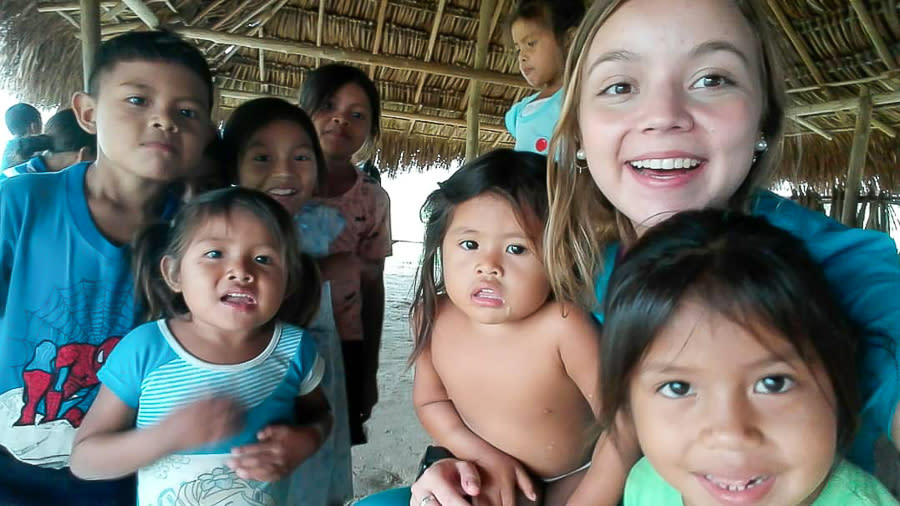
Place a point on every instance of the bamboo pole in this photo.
(379, 34)
(841, 105)
(813, 128)
(352, 56)
(70, 6)
(140, 9)
(320, 23)
(495, 18)
(484, 35)
(409, 116)
(798, 43)
(869, 26)
(206, 10)
(857, 157)
(90, 36)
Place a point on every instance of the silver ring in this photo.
(427, 499)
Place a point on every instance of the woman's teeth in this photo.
(666, 163)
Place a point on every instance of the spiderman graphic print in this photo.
(66, 298)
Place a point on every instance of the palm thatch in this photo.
(422, 54)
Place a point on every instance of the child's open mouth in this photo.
(737, 491)
(239, 300)
(487, 297)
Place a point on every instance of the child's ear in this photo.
(85, 107)
(169, 268)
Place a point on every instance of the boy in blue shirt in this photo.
(148, 101)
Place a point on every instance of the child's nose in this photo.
(488, 265)
(731, 423)
(239, 271)
(164, 120)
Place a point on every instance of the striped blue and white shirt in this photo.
(151, 372)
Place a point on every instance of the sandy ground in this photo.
(396, 439)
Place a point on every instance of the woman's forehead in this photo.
(664, 29)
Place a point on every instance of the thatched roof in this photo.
(422, 53)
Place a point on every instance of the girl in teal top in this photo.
(726, 355)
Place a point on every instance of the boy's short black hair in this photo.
(20, 117)
(160, 46)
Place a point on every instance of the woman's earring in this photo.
(580, 162)
(759, 148)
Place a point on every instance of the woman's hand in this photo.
(448, 481)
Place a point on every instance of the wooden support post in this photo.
(857, 158)
(484, 35)
(90, 36)
(320, 23)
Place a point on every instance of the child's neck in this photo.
(551, 88)
(216, 346)
(340, 177)
(120, 203)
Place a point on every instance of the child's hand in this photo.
(280, 450)
(501, 477)
(201, 422)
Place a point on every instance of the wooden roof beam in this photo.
(140, 9)
(429, 51)
(409, 116)
(869, 26)
(379, 33)
(797, 42)
(206, 10)
(473, 108)
(813, 128)
(222, 22)
(69, 6)
(353, 56)
(113, 13)
(843, 104)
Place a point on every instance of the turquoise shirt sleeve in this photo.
(864, 269)
(510, 118)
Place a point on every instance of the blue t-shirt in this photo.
(66, 299)
(864, 269)
(153, 374)
(532, 122)
(33, 165)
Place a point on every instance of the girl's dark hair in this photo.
(742, 268)
(256, 114)
(62, 133)
(301, 298)
(321, 84)
(517, 176)
(560, 16)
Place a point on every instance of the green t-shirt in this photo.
(848, 485)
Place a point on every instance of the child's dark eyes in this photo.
(213, 254)
(468, 245)
(261, 158)
(676, 389)
(301, 158)
(263, 259)
(515, 249)
(775, 384)
(136, 100)
(188, 113)
(358, 115)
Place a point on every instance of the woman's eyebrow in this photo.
(618, 55)
(712, 46)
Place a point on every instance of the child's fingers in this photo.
(525, 484)
(469, 477)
